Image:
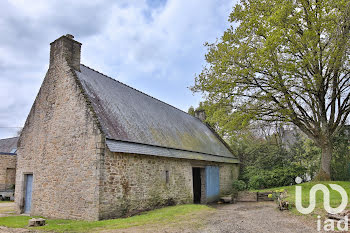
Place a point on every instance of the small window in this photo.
(14, 150)
(167, 177)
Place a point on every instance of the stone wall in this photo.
(131, 183)
(59, 145)
(7, 171)
(228, 173)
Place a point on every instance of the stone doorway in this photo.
(10, 179)
(197, 185)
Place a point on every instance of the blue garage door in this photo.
(212, 181)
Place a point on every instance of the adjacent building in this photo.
(8, 149)
(94, 148)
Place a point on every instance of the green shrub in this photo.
(256, 182)
(239, 185)
(279, 176)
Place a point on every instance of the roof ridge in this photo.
(138, 91)
(8, 138)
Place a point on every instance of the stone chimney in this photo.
(67, 48)
(200, 114)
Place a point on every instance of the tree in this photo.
(191, 111)
(284, 60)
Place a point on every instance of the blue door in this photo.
(212, 183)
(28, 193)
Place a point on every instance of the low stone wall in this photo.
(247, 196)
(254, 196)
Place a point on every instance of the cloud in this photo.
(153, 45)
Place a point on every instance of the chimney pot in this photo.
(66, 49)
(200, 114)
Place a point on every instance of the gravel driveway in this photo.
(256, 217)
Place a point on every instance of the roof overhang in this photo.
(144, 149)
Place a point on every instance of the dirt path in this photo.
(236, 218)
(257, 217)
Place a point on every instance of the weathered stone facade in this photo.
(58, 145)
(7, 171)
(228, 173)
(131, 183)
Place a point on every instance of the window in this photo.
(14, 150)
(167, 177)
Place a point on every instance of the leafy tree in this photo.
(341, 156)
(284, 60)
(267, 164)
(191, 111)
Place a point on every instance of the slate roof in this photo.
(7, 145)
(134, 121)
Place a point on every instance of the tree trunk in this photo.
(325, 166)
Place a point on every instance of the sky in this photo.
(155, 46)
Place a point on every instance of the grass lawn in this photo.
(159, 217)
(335, 198)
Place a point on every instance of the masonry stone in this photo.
(7, 171)
(58, 145)
(65, 49)
(131, 183)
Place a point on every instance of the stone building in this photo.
(93, 148)
(8, 149)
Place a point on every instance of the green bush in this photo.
(239, 185)
(256, 182)
(279, 176)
